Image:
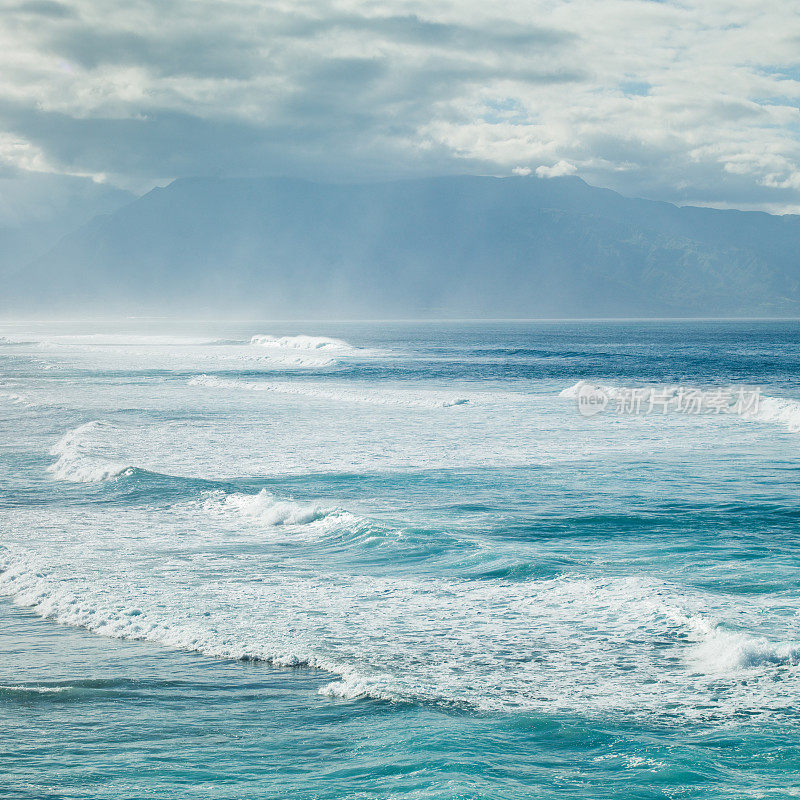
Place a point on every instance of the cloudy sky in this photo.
(694, 101)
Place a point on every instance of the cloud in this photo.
(692, 102)
(44, 8)
(559, 168)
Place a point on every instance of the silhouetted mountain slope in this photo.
(38, 209)
(464, 246)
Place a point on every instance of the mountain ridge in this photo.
(449, 246)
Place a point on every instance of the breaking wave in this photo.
(162, 351)
(722, 651)
(267, 510)
(780, 410)
(552, 645)
(302, 351)
(78, 460)
(572, 392)
(777, 410)
(301, 342)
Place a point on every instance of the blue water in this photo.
(396, 562)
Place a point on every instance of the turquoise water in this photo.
(394, 561)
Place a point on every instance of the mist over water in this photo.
(399, 545)
(452, 247)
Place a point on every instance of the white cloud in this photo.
(694, 101)
(559, 168)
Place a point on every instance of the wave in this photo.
(572, 392)
(302, 351)
(166, 351)
(266, 509)
(32, 689)
(597, 645)
(776, 410)
(29, 586)
(723, 651)
(81, 460)
(78, 460)
(302, 342)
(309, 344)
(780, 410)
(393, 398)
(356, 688)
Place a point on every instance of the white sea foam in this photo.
(780, 410)
(356, 688)
(297, 361)
(301, 342)
(98, 610)
(23, 688)
(621, 645)
(13, 398)
(777, 410)
(121, 351)
(572, 392)
(724, 651)
(78, 459)
(265, 509)
(401, 632)
(407, 399)
(302, 351)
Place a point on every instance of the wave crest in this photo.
(776, 410)
(78, 460)
(723, 651)
(301, 342)
(780, 410)
(266, 509)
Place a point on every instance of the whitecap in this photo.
(78, 460)
(765, 408)
(724, 651)
(33, 689)
(265, 509)
(301, 342)
(779, 410)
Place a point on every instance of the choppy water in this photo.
(385, 561)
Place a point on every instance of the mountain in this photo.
(440, 247)
(38, 209)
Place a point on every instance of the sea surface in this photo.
(318, 560)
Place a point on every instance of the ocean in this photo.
(398, 560)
